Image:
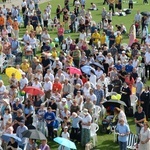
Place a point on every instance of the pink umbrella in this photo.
(74, 70)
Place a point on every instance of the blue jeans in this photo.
(123, 145)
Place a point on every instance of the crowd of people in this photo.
(75, 79)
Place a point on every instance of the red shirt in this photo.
(57, 87)
(60, 31)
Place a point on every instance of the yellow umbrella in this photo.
(11, 70)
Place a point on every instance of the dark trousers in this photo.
(111, 7)
(60, 37)
(123, 145)
(45, 22)
(130, 5)
(75, 134)
(147, 68)
(50, 132)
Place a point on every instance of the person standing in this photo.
(85, 132)
(123, 130)
(144, 137)
(144, 100)
(139, 118)
(60, 32)
(111, 6)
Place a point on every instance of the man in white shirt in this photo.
(47, 87)
(92, 96)
(23, 81)
(57, 62)
(24, 6)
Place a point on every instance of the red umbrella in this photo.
(33, 90)
(74, 70)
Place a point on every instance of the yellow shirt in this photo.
(103, 39)
(29, 28)
(96, 37)
(118, 39)
(54, 54)
(38, 30)
(25, 67)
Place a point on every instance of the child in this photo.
(65, 134)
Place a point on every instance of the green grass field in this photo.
(105, 141)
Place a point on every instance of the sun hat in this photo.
(138, 79)
(63, 100)
(85, 111)
(68, 96)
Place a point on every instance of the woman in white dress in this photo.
(144, 137)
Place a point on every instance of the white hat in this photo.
(138, 79)
(23, 73)
(68, 96)
(65, 127)
(63, 100)
(57, 58)
(85, 111)
(123, 52)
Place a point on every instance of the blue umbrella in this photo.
(6, 137)
(65, 142)
(87, 69)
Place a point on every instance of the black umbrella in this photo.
(34, 134)
(145, 13)
(115, 103)
(96, 64)
(138, 45)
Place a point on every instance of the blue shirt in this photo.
(139, 87)
(75, 121)
(28, 110)
(119, 67)
(99, 94)
(50, 116)
(129, 68)
(19, 132)
(123, 129)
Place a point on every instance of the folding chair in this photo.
(132, 140)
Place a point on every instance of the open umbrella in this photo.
(34, 134)
(145, 13)
(11, 70)
(74, 70)
(87, 69)
(6, 137)
(96, 64)
(138, 45)
(114, 103)
(65, 142)
(33, 90)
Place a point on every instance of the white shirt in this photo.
(65, 135)
(147, 57)
(135, 63)
(24, 4)
(47, 86)
(123, 58)
(93, 80)
(61, 77)
(98, 73)
(82, 36)
(93, 97)
(109, 60)
(26, 38)
(32, 42)
(59, 63)
(51, 76)
(45, 37)
(2, 89)
(37, 85)
(6, 117)
(23, 82)
(31, 6)
(86, 119)
(45, 16)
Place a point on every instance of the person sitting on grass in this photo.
(93, 7)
